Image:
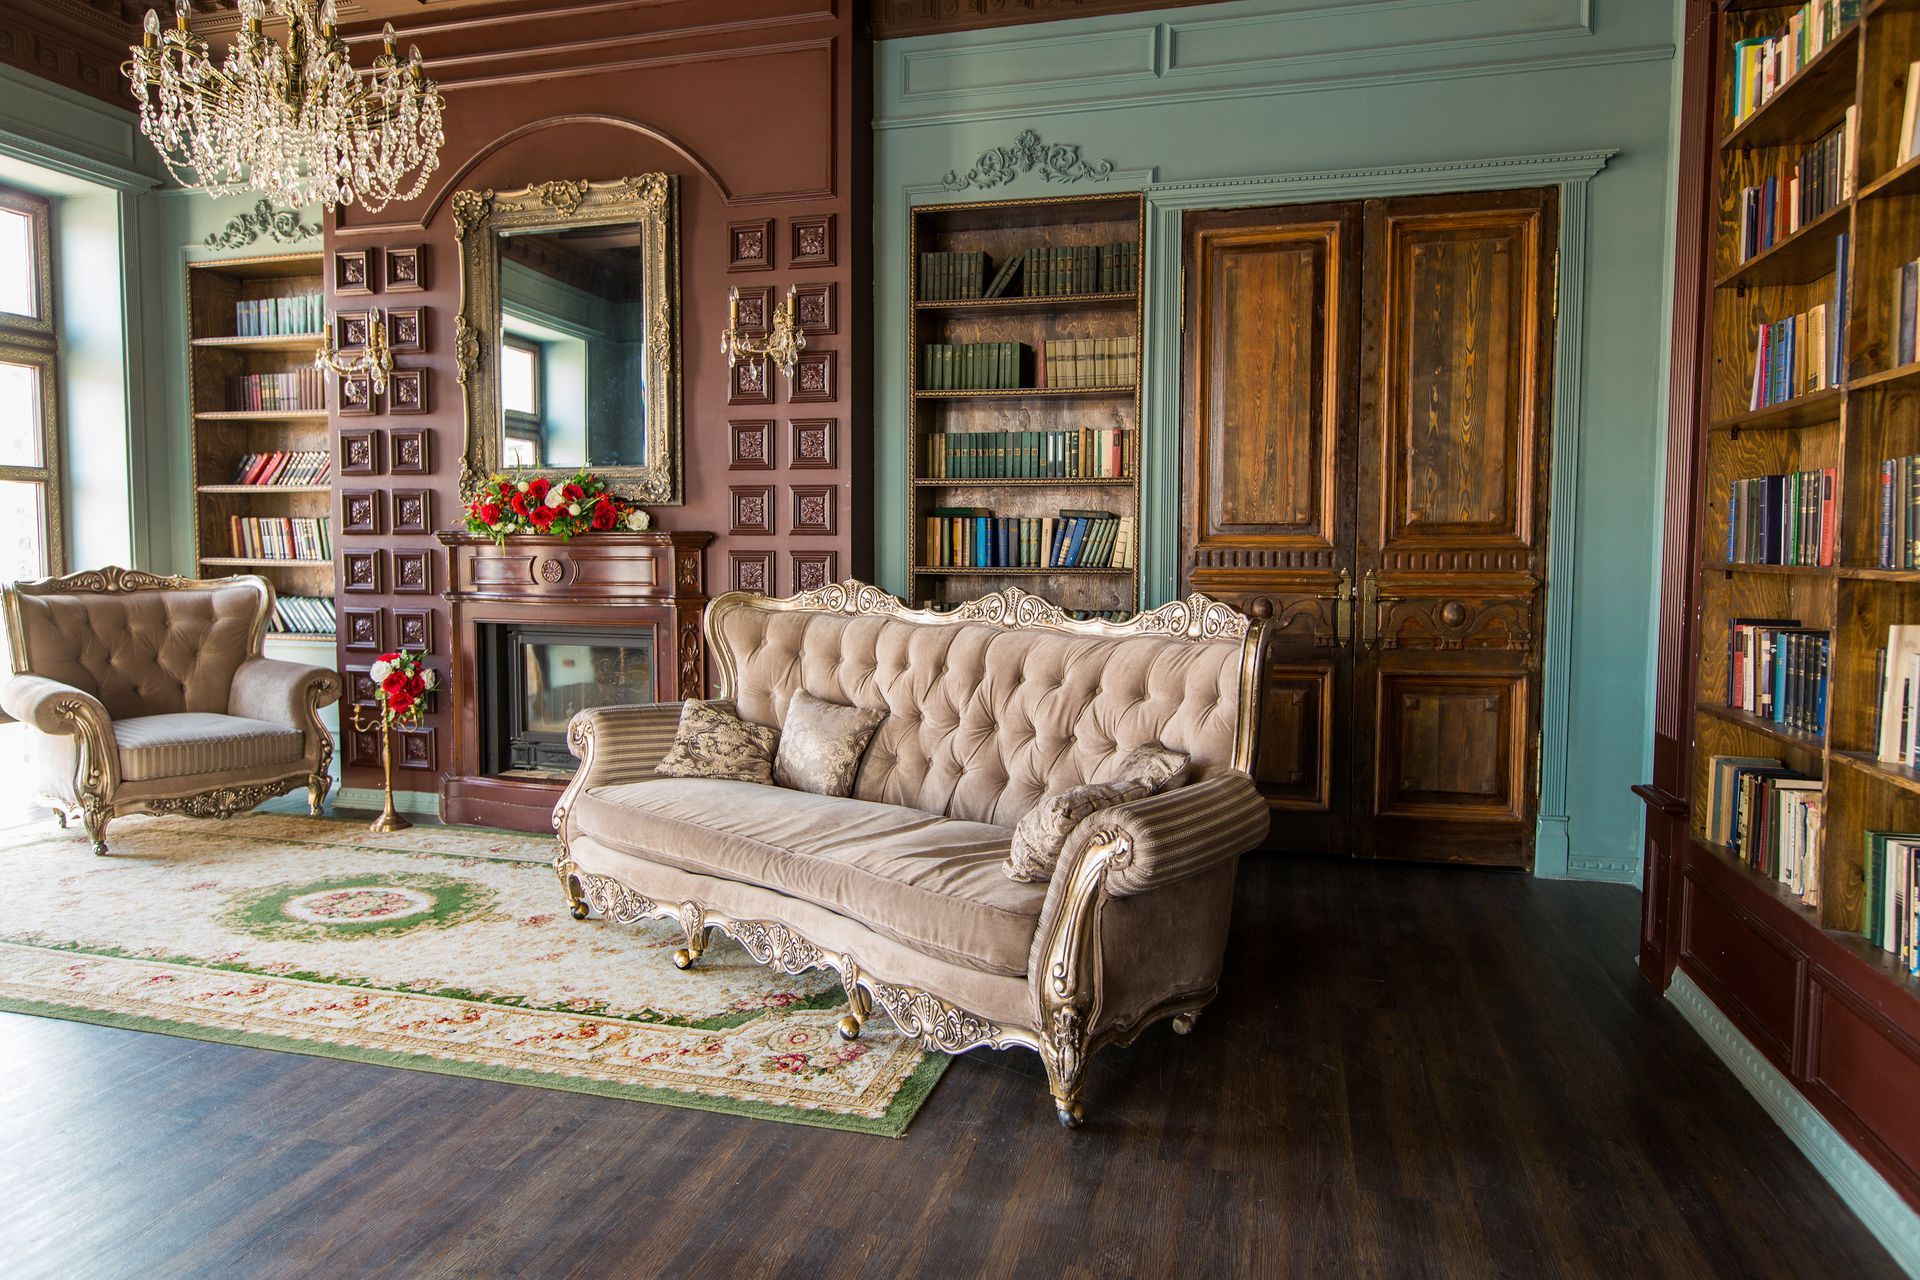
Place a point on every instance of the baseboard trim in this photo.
(418, 803)
(1859, 1185)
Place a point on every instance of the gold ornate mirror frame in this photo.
(650, 200)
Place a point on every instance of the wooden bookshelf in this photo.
(223, 434)
(1003, 229)
(1868, 415)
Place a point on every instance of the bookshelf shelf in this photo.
(1866, 762)
(1806, 104)
(1102, 232)
(1901, 180)
(1799, 570)
(1802, 411)
(1747, 720)
(1763, 884)
(1886, 377)
(1804, 256)
(220, 295)
(1864, 573)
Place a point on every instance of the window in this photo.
(522, 364)
(30, 542)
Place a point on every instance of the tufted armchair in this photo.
(150, 694)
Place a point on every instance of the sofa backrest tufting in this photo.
(985, 718)
(141, 647)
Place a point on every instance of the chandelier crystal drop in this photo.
(294, 121)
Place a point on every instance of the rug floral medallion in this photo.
(444, 949)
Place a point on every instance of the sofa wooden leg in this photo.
(1183, 1022)
(94, 818)
(1064, 1050)
(576, 897)
(60, 816)
(859, 1012)
(318, 784)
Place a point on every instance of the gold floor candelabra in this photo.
(389, 819)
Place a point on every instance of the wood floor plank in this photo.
(1411, 1071)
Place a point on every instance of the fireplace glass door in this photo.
(542, 676)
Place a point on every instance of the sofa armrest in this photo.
(614, 745)
(65, 711)
(1178, 833)
(282, 692)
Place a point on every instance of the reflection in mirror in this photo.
(573, 347)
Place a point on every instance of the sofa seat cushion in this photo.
(197, 742)
(931, 883)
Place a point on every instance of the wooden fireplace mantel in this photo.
(654, 580)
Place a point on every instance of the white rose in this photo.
(431, 677)
(380, 671)
(573, 508)
(556, 497)
(523, 486)
(637, 520)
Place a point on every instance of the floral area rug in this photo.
(439, 949)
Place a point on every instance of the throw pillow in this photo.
(821, 745)
(712, 742)
(1042, 831)
(1155, 765)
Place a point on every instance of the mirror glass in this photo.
(573, 347)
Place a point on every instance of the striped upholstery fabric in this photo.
(629, 741)
(195, 742)
(1183, 832)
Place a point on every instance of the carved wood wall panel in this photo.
(895, 18)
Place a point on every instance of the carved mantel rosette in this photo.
(650, 200)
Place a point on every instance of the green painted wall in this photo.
(1182, 99)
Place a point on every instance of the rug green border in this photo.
(906, 1101)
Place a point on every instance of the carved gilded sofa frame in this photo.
(93, 791)
(1071, 982)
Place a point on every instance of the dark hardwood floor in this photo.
(1412, 1071)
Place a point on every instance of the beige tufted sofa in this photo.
(151, 694)
(901, 888)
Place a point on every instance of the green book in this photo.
(1003, 279)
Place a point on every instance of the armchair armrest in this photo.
(52, 707)
(282, 692)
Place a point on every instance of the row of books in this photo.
(1765, 65)
(1897, 676)
(1820, 179)
(302, 616)
(298, 315)
(1770, 817)
(1900, 513)
(1785, 519)
(1906, 293)
(1044, 272)
(281, 537)
(1779, 671)
(1089, 362)
(975, 538)
(1089, 453)
(284, 467)
(972, 366)
(1794, 357)
(1891, 875)
(273, 392)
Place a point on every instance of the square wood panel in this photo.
(359, 511)
(1451, 745)
(361, 687)
(750, 445)
(362, 631)
(750, 571)
(751, 510)
(812, 570)
(750, 381)
(816, 308)
(360, 571)
(406, 269)
(407, 330)
(750, 245)
(412, 572)
(412, 510)
(407, 391)
(363, 745)
(351, 329)
(1296, 737)
(352, 272)
(815, 509)
(812, 241)
(359, 453)
(814, 444)
(417, 748)
(412, 452)
(356, 396)
(815, 377)
(754, 308)
(413, 629)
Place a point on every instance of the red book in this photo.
(1826, 517)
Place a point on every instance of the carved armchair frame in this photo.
(1069, 984)
(95, 800)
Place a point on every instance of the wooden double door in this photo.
(1367, 398)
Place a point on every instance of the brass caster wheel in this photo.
(849, 1028)
(61, 818)
(1183, 1022)
(578, 910)
(683, 959)
(100, 849)
(1071, 1116)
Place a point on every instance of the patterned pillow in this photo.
(1043, 830)
(1155, 765)
(712, 742)
(821, 745)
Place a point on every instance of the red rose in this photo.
(605, 515)
(574, 493)
(539, 487)
(399, 704)
(542, 517)
(519, 504)
(415, 686)
(389, 657)
(394, 683)
(489, 513)
(506, 489)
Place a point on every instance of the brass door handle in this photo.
(1370, 602)
(1342, 609)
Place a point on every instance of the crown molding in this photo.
(79, 44)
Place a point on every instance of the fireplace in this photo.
(537, 677)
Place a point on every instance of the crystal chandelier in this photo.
(295, 122)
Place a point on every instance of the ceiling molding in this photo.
(893, 19)
(78, 44)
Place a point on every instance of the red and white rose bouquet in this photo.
(401, 679)
(585, 503)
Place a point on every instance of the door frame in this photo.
(1572, 172)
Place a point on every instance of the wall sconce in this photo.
(783, 342)
(372, 362)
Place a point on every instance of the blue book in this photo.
(1076, 531)
(1776, 646)
(1837, 322)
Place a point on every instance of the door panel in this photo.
(1450, 745)
(1295, 755)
